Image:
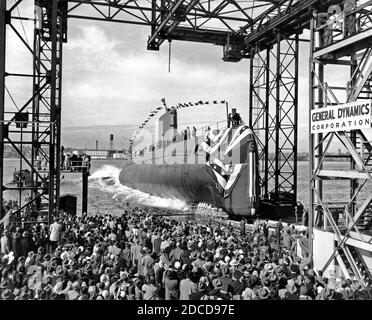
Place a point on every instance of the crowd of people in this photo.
(142, 255)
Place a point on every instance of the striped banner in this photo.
(227, 174)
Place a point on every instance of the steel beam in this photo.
(342, 174)
(343, 47)
(293, 20)
(165, 20)
(321, 95)
(2, 94)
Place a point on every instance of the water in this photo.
(106, 194)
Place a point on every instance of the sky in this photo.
(110, 79)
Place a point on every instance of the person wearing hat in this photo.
(126, 255)
(16, 293)
(326, 294)
(27, 243)
(273, 278)
(292, 292)
(263, 293)
(150, 290)
(136, 253)
(198, 262)
(148, 263)
(159, 272)
(200, 291)
(73, 293)
(233, 263)
(187, 286)
(304, 293)
(16, 244)
(165, 244)
(171, 285)
(186, 259)
(237, 283)
(278, 232)
(226, 283)
(5, 243)
(55, 236)
(347, 294)
(156, 242)
(242, 227)
(7, 295)
(215, 293)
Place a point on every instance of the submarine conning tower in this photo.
(215, 164)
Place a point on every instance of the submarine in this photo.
(216, 164)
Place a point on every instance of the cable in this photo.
(169, 55)
(24, 31)
(11, 97)
(252, 8)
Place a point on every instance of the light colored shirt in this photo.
(187, 287)
(165, 244)
(5, 245)
(55, 231)
(248, 294)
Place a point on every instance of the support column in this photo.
(2, 94)
(84, 205)
(311, 141)
(267, 121)
(277, 117)
(295, 112)
(53, 85)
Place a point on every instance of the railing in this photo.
(344, 24)
(199, 132)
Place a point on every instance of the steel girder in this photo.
(43, 105)
(356, 211)
(273, 115)
(219, 22)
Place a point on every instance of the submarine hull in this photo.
(188, 182)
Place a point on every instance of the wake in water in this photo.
(106, 178)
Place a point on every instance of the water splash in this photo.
(106, 178)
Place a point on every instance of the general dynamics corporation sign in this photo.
(343, 117)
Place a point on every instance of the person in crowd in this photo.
(193, 132)
(63, 157)
(142, 255)
(229, 120)
(349, 18)
(55, 234)
(278, 232)
(242, 227)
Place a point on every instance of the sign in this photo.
(344, 117)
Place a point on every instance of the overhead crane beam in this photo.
(134, 13)
(290, 21)
(154, 42)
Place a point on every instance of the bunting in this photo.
(178, 106)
